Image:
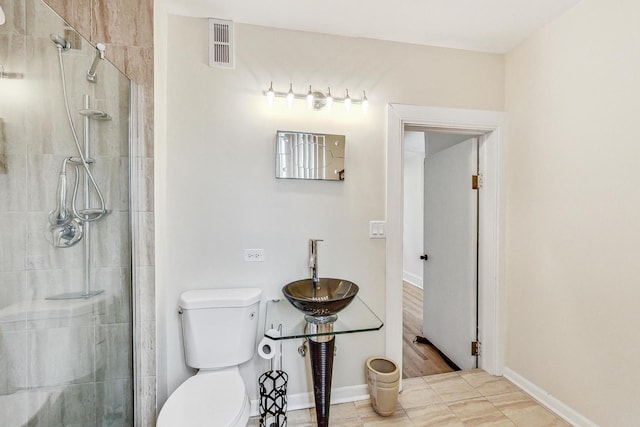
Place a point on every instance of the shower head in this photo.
(60, 42)
(91, 73)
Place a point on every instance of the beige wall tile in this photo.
(146, 100)
(76, 12)
(123, 22)
(16, 18)
(147, 394)
(121, 25)
(139, 67)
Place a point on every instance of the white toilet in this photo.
(219, 333)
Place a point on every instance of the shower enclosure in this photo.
(66, 318)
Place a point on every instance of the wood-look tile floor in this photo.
(418, 359)
(456, 399)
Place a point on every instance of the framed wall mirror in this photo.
(315, 156)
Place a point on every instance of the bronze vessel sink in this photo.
(325, 298)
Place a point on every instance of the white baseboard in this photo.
(412, 279)
(305, 400)
(564, 411)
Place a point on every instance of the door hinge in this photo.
(475, 348)
(476, 181)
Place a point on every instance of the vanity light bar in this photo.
(315, 99)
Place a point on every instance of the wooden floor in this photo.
(418, 359)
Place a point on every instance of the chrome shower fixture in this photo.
(60, 42)
(61, 215)
(88, 214)
(95, 114)
(5, 75)
(91, 74)
(66, 235)
(65, 229)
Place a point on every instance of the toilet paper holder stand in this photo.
(273, 392)
(273, 365)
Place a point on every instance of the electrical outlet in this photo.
(253, 255)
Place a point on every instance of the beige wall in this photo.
(221, 194)
(573, 210)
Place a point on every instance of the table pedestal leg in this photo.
(321, 354)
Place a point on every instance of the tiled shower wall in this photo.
(126, 27)
(64, 362)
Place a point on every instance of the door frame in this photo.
(491, 227)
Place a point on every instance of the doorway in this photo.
(439, 250)
(491, 148)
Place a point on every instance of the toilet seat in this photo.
(209, 398)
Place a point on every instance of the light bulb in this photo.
(290, 96)
(329, 99)
(270, 95)
(310, 99)
(365, 102)
(347, 102)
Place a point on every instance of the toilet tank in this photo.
(219, 326)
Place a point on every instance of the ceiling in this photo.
(481, 25)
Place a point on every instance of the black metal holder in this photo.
(321, 354)
(273, 399)
(273, 393)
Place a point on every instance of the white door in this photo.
(450, 243)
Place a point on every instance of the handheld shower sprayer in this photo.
(60, 42)
(91, 73)
(60, 215)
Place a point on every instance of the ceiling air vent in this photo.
(220, 43)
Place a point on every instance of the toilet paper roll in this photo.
(269, 348)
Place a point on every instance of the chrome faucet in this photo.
(313, 259)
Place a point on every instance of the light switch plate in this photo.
(377, 229)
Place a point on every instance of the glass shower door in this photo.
(65, 253)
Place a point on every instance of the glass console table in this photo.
(356, 317)
(320, 333)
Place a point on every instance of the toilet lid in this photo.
(206, 399)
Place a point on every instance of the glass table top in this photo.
(356, 317)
